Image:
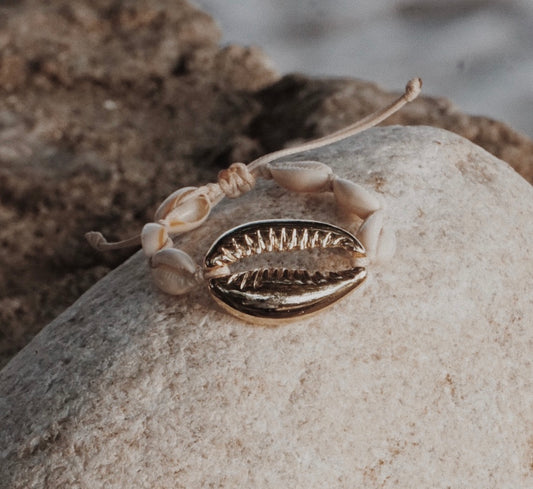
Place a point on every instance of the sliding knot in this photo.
(236, 180)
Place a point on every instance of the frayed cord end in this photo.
(413, 89)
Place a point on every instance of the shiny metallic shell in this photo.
(270, 296)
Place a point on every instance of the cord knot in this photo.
(236, 180)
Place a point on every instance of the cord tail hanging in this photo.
(99, 243)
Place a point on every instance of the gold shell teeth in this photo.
(270, 295)
(245, 241)
(255, 279)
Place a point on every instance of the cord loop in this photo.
(236, 180)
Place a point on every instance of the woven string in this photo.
(236, 180)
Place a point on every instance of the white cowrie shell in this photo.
(369, 233)
(154, 237)
(386, 246)
(173, 271)
(301, 176)
(354, 198)
(171, 202)
(188, 214)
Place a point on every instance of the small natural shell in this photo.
(154, 237)
(354, 198)
(173, 271)
(187, 215)
(301, 176)
(386, 246)
(369, 233)
(171, 202)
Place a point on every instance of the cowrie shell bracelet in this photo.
(270, 295)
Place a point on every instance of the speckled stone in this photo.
(422, 378)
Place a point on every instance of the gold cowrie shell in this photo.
(354, 198)
(301, 176)
(154, 237)
(173, 271)
(271, 295)
(188, 214)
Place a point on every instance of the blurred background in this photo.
(477, 53)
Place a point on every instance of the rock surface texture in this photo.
(422, 378)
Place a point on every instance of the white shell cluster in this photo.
(173, 270)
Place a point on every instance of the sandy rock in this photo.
(423, 378)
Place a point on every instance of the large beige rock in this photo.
(422, 378)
